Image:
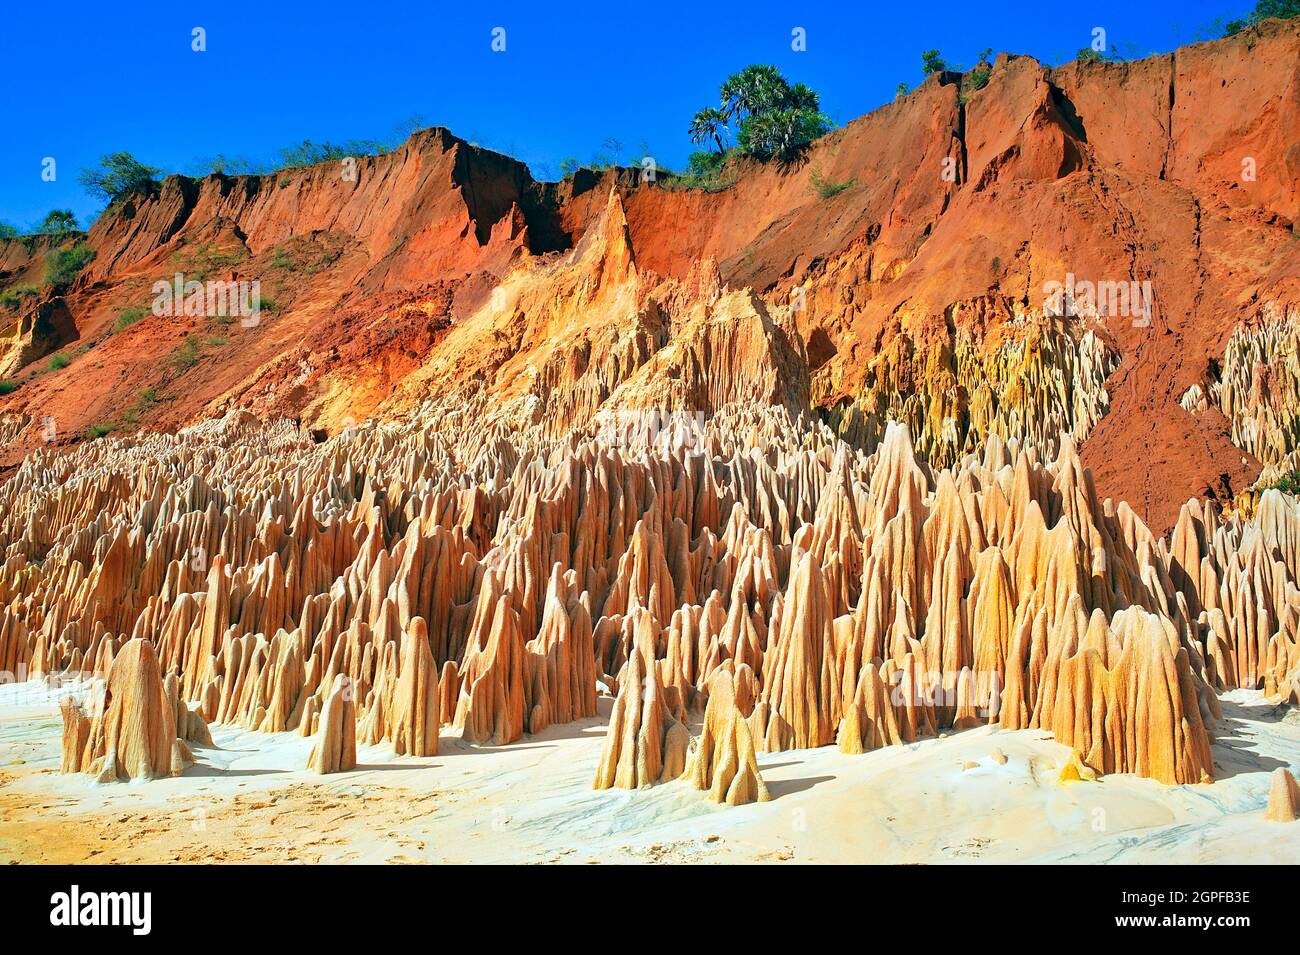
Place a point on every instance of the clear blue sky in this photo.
(82, 79)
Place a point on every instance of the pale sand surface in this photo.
(250, 800)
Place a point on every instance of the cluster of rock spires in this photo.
(1044, 378)
(1256, 385)
(447, 574)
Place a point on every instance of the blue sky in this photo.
(82, 79)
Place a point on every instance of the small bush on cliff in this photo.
(8, 387)
(63, 265)
(707, 171)
(13, 298)
(1288, 483)
(58, 222)
(191, 350)
(704, 165)
(1265, 10)
(224, 165)
(129, 317)
(932, 62)
(826, 188)
(7, 231)
(977, 78)
(119, 176)
(131, 417)
(187, 356)
(58, 362)
(308, 153)
(203, 261)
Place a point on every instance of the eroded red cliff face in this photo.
(917, 292)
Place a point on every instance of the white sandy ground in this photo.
(250, 800)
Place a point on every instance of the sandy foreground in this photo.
(951, 799)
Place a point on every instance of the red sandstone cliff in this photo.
(444, 269)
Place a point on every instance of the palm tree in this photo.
(708, 123)
(800, 96)
(752, 90)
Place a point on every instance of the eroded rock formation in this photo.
(723, 762)
(1283, 797)
(645, 744)
(462, 577)
(335, 748)
(132, 733)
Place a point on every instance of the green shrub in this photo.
(201, 262)
(931, 62)
(129, 317)
(7, 231)
(977, 78)
(58, 222)
(826, 188)
(705, 165)
(12, 298)
(118, 176)
(1265, 10)
(187, 356)
(147, 399)
(709, 171)
(96, 431)
(308, 153)
(230, 166)
(57, 362)
(1288, 483)
(305, 256)
(63, 265)
(8, 387)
